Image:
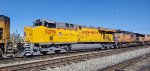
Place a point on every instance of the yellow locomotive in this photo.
(8, 42)
(51, 37)
(4, 33)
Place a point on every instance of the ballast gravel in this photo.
(98, 63)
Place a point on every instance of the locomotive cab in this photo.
(48, 24)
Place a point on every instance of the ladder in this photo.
(9, 50)
(28, 49)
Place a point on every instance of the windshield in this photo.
(49, 25)
(44, 23)
(37, 23)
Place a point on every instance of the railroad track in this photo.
(127, 63)
(13, 60)
(61, 61)
(51, 62)
(39, 57)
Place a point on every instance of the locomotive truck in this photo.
(50, 37)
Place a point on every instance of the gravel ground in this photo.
(139, 65)
(98, 63)
(35, 58)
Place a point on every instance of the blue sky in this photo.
(118, 14)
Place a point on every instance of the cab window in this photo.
(38, 23)
(49, 25)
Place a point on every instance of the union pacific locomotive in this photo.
(48, 37)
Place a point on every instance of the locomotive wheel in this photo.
(57, 51)
(112, 47)
(1, 54)
(116, 46)
(68, 48)
(44, 53)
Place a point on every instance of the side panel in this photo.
(4, 31)
(123, 37)
(89, 35)
(42, 34)
(65, 36)
(107, 37)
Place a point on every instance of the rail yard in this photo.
(50, 45)
(39, 63)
